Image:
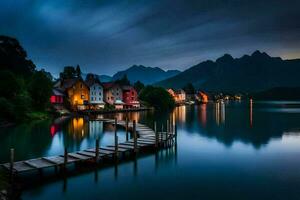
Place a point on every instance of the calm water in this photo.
(224, 151)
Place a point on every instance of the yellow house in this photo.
(77, 92)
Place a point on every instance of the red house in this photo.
(130, 97)
(57, 97)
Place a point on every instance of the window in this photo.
(99, 93)
(82, 97)
(81, 86)
(99, 99)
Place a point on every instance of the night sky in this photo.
(106, 36)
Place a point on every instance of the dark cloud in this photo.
(106, 36)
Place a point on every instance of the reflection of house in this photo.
(130, 97)
(96, 129)
(96, 91)
(178, 95)
(113, 95)
(77, 92)
(57, 97)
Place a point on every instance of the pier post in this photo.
(97, 150)
(65, 157)
(134, 136)
(126, 129)
(175, 132)
(167, 133)
(162, 134)
(12, 158)
(116, 139)
(156, 135)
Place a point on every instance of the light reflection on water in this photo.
(225, 151)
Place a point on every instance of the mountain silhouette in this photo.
(147, 75)
(250, 73)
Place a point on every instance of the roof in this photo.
(179, 92)
(67, 83)
(91, 79)
(109, 85)
(119, 102)
(127, 87)
(57, 92)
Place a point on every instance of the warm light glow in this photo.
(204, 97)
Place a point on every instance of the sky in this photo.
(108, 36)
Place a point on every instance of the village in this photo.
(90, 94)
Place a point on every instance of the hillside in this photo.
(147, 75)
(256, 72)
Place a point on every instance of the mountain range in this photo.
(147, 75)
(248, 73)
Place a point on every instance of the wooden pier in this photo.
(143, 138)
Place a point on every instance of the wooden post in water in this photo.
(162, 136)
(12, 158)
(134, 136)
(168, 130)
(175, 132)
(97, 150)
(127, 129)
(65, 158)
(116, 139)
(156, 135)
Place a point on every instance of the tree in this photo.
(157, 97)
(40, 89)
(69, 72)
(9, 85)
(138, 86)
(123, 81)
(14, 58)
(189, 88)
(78, 71)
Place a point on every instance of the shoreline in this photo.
(87, 112)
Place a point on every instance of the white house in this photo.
(96, 92)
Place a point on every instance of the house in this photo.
(113, 95)
(96, 92)
(201, 97)
(77, 92)
(130, 97)
(57, 97)
(178, 95)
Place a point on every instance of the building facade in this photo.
(96, 92)
(130, 97)
(77, 92)
(113, 95)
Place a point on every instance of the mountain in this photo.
(249, 73)
(102, 78)
(147, 75)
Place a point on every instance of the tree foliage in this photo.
(189, 88)
(123, 81)
(40, 89)
(138, 86)
(157, 97)
(70, 72)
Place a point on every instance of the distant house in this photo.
(201, 97)
(113, 95)
(96, 92)
(130, 97)
(178, 95)
(77, 92)
(57, 97)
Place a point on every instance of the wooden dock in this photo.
(143, 138)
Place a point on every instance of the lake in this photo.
(236, 150)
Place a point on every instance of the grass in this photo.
(37, 115)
